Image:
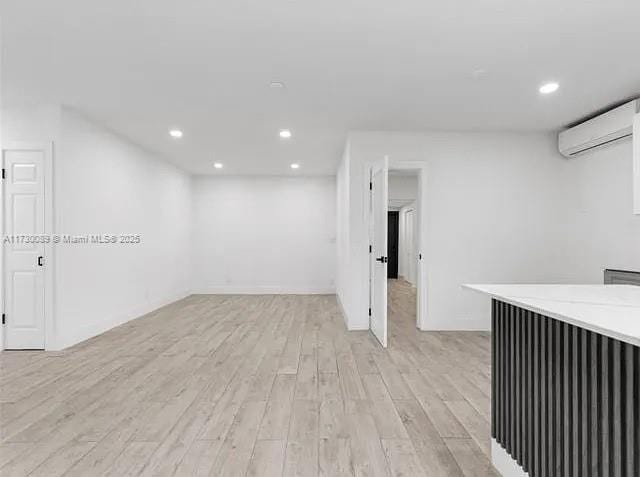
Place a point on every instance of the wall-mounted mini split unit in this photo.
(608, 128)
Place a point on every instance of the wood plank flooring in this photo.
(251, 385)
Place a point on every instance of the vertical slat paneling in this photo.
(498, 377)
(616, 440)
(525, 392)
(594, 413)
(537, 401)
(585, 435)
(503, 399)
(549, 358)
(530, 397)
(512, 380)
(558, 357)
(516, 382)
(636, 400)
(544, 428)
(567, 393)
(605, 411)
(630, 410)
(494, 374)
(575, 411)
(565, 401)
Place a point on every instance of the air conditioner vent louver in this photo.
(602, 144)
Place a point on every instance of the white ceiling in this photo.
(205, 66)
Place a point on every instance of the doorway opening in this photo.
(402, 301)
(396, 220)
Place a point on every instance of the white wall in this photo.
(402, 190)
(105, 185)
(343, 267)
(352, 269)
(264, 234)
(601, 230)
(492, 212)
(501, 208)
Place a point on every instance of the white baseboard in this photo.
(85, 332)
(504, 463)
(263, 290)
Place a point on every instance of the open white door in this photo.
(24, 251)
(378, 257)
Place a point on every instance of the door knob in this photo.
(382, 259)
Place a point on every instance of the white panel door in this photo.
(24, 210)
(410, 249)
(378, 256)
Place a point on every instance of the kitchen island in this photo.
(565, 379)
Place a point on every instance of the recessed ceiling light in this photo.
(549, 88)
(285, 133)
(276, 85)
(217, 165)
(295, 166)
(175, 133)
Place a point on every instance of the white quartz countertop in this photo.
(611, 310)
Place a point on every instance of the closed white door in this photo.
(378, 255)
(410, 246)
(24, 257)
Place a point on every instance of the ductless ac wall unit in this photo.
(608, 128)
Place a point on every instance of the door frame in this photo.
(411, 208)
(422, 269)
(49, 321)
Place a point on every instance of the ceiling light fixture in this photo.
(176, 133)
(548, 88)
(285, 133)
(295, 166)
(217, 165)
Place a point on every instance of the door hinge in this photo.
(370, 185)
(370, 249)
(4, 173)
(4, 318)
(419, 256)
(369, 312)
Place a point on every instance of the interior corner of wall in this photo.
(342, 309)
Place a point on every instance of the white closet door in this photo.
(24, 212)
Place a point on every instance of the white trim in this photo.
(49, 318)
(83, 333)
(504, 463)
(263, 290)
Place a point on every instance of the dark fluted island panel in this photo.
(565, 400)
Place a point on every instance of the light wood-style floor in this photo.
(251, 385)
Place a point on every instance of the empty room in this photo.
(312, 239)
